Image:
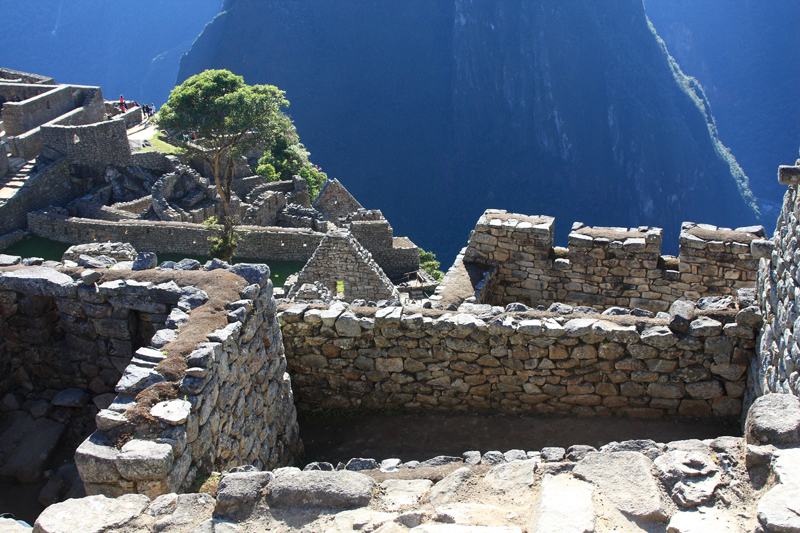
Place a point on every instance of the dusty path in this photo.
(419, 437)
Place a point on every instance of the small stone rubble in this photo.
(688, 486)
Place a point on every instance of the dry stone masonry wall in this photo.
(690, 365)
(606, 267)
(777, 368)
(226, 403)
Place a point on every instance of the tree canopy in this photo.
(227, 117)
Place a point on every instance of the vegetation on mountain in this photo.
(287, 157)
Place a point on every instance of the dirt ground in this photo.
(423, 436)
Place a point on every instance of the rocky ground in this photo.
(724, 485)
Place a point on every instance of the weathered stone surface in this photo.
(786, 466)
(172, 412)
(72, 397)
(39, 281)
(216, 525)
(397, 494)
(93, 514)
(774, 419)
(145, 261)
(563, 505)
(137, 378)
(253, 273)
(702, 521)
(645, 446)
(516, 477)
(660, 337)
(691, 492)
(144, 460)
(358, 464)
(342, 489)
(360, 520)
(493, 458)
(553, 454)
(8, 525)
(179, 513)
(677, 465)
(472, 514)
(779, 509)
(445, 489)
(96, 460)
(625, 478)
(240, 490)
(26, 445)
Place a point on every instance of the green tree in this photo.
(228, 118)
(428, 263)
(287, 157)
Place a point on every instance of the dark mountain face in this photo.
(130, 47)
(745, 53)
(435, 111)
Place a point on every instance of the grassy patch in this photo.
(206, 483)
(159, 145)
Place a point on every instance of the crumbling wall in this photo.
(394, 358)
(777, 366)
(606, 267)
(263, 210)
(267, 244)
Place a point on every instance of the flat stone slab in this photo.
(787, 466)
(473, 514)
(447, 487)
(779, 509)
(39, 281)
(774, 419)
(342, 489)
(172, 412)
(398, 494)
(511, 477)
(72, 397)
(677, 465)
(625, 478)
(702, 521)
(359, 520)
(93, 514)
(564, 505)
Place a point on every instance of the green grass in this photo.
(160, 146)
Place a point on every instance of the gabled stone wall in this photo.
(606, 267)
(340, 258)
(335, 201)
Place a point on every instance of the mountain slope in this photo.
(435, 111)
(746, 55)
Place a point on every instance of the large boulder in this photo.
(774, 419)
(241, 490)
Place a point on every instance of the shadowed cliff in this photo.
(434, 111)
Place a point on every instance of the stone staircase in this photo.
(18, 173)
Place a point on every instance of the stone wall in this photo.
(155, 161)
(777, 367)
(51, 185)
(340, 258)
(25, 77)
(23, 91)
(232, 405)
(397, 256)
(263, 210)
(20, 117)
(10, 239)
(606, 267)
(104, 143)
(390, 358)
(335, 201)
(266, 244)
